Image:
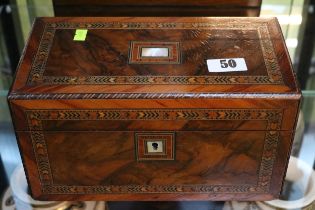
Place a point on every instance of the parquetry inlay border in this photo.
(274, 76)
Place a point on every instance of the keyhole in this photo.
(155, 146)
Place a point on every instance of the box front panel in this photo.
(111, 158)
(109, 162)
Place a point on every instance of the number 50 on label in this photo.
(226, 65)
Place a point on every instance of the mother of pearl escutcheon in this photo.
(154, 52)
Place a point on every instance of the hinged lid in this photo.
(154, 58)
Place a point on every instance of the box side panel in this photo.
(281, 51)
(281, 163)
(30, 163)
(27, 57)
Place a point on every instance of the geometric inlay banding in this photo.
(273, 118)
(274, 76)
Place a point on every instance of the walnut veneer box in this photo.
(155, 108)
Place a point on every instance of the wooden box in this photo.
(155, 108)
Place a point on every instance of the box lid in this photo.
(154, 58)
